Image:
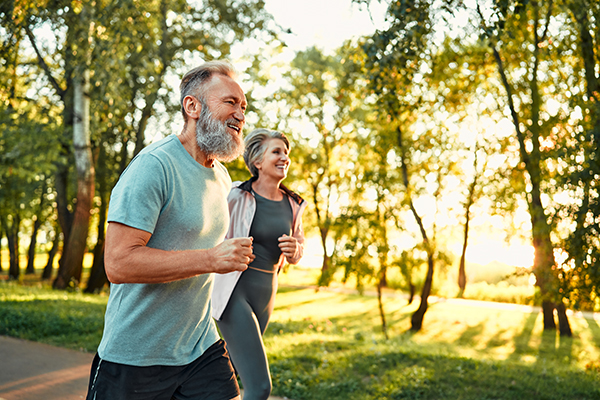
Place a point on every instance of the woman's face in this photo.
(275, 161)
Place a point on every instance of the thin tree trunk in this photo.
(418, 316)
(12, 236)
(462, 274)
(381, 310)
(30, 269)
(98, 277)
(47, 274)
(36, 227)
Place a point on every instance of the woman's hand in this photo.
(289, 247)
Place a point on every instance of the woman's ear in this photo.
(192, 107)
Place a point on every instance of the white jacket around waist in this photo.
(242, 206)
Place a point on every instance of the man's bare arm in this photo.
(129, 260)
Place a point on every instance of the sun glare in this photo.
(487, 251)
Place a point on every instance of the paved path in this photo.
(36, 371)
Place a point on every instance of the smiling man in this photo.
(167, 218)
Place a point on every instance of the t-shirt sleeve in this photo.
(139, 196)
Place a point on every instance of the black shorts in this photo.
(210, 377)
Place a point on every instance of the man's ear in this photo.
(192, 107)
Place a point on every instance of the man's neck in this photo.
(188, 140)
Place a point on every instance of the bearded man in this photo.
(167, 218)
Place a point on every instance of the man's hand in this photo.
(288, 246)
(233, 255)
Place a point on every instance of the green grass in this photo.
(329, 345)
(60, 318)
(324, 345)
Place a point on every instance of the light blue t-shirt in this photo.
(164, 191)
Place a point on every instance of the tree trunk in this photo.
(12, 236)
(37, 223)
(564, 327)
(72, 264)
(416, 320)
(31, 252)
(417, 317)
(47, 274)
(462, 274)
(548, 313)
(381, 310)
(412, 290)
(98, 278)
(65, 217)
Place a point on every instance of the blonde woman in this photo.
(264, 209)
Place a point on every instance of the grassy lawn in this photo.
(329, 345)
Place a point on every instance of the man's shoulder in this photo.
(164, 144)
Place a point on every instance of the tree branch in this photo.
(59, 90)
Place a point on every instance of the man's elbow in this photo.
(113, 269)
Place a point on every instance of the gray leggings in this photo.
(242, 325)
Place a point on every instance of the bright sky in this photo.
(324, 23)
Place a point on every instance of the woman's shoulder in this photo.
(239, 190)
(293, 195)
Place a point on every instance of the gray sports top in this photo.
(271, 220)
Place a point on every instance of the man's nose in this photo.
(239, 114)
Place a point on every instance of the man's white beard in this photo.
(214, 140)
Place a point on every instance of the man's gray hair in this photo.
(193, 82)
(256, 145)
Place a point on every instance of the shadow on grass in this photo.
(469, 335)
(497, 340)
(304, 300)
(347, 369)
(521, 340)
(595, 329)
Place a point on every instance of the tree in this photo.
(581, 272)
(396, 64)
(72, 262)
(27, 148)
(505, 33)
(133, 48)
(324, 97)
(38, 219)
